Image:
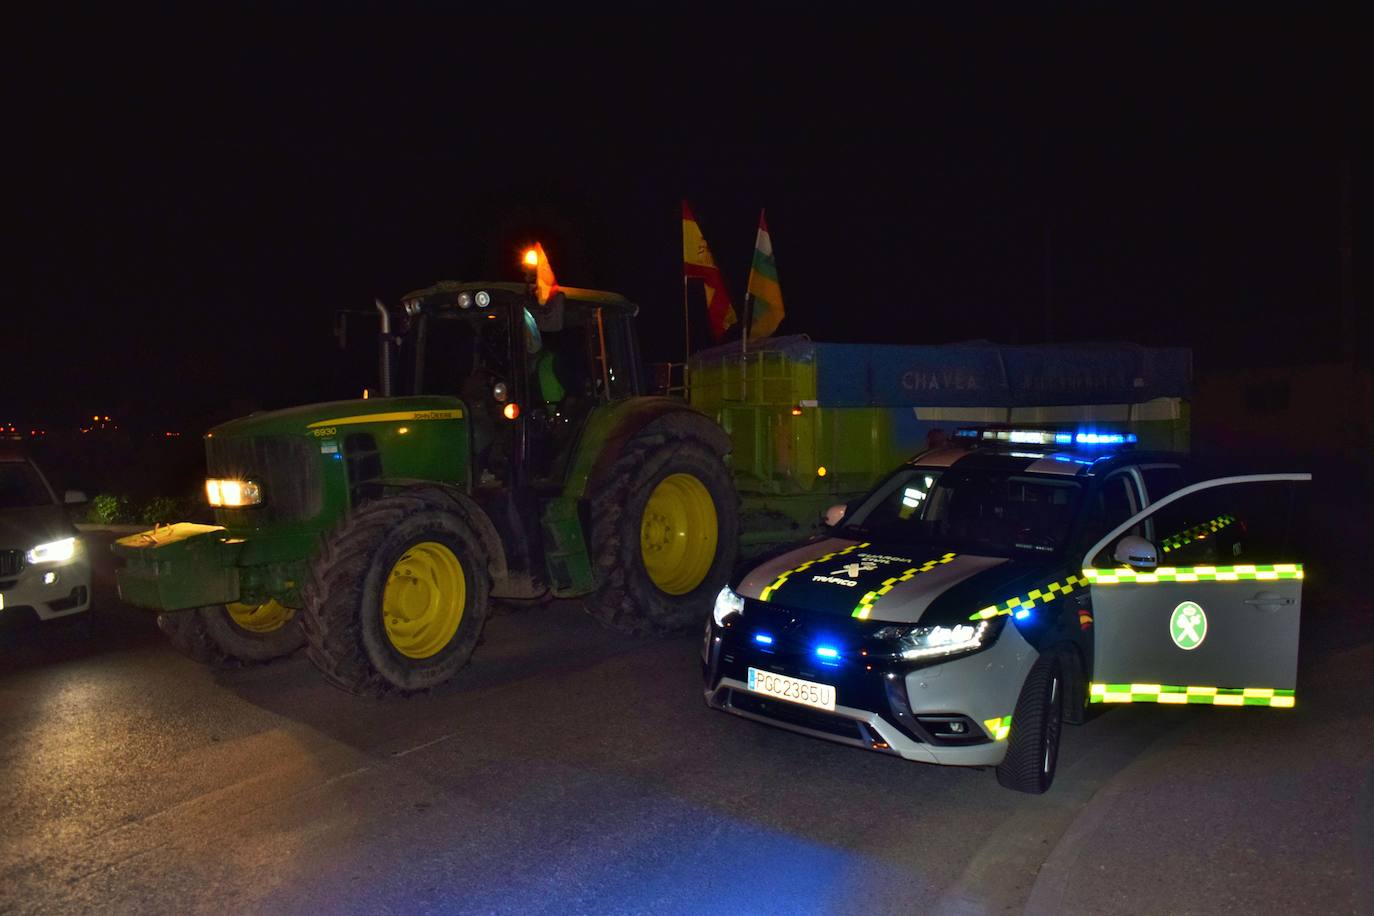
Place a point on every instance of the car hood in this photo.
(22, 529)
(898, 584)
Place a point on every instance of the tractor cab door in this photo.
(1209, 611)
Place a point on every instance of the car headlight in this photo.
(52, 552)
(913, 643)
(728, 604)
(232, 493)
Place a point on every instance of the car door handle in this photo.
(1269, 601)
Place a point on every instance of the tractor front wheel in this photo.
(665, 531)
(234, 635)
(397, 596)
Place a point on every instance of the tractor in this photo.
(512, 454)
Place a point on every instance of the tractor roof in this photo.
(572, 294)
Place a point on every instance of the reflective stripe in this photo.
(777, 583)
(1213, 696)
(1042, 596)
(447, 413)
(1126, 575)
(998, 728)
(867, 601)
(1195, 533)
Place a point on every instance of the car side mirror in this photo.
(1136, 552)
(74, 498)
(835, 514)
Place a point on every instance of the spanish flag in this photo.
(697, 263)
(766, 311)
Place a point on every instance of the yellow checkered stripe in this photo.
(1036, 596)
(1175, 541)
(867, 601)
(998, 727)
(1212, 696)
(1126, 576)
(777, 583)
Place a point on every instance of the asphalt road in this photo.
(573, 770)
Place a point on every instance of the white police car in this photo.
(44, 570)
(984, 593)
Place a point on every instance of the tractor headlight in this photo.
(232, 494)
(728, 604)
(499, 392)
(465, 300)
(483, 298)
(52, 552)
(912, 643)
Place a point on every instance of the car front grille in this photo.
(11, 562)
(288, 470)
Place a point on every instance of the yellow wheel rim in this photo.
(423, 601)
(260, 618)
(677, 536)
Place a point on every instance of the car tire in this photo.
(661, 487)
(210, 636)
(397, 596)
(1033, 745)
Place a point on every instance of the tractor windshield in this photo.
(459, 353)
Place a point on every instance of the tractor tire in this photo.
(1033, 745)
(397, 596)
(211, 635)
(664, 535)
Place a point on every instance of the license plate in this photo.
(792, 689)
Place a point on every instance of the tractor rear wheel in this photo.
(665, 531)
(234, 635)
(397, 596)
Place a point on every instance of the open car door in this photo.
(1208, 610)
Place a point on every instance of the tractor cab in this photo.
(529, 373)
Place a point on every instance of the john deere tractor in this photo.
(513, 454)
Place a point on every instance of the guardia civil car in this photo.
(984, 593)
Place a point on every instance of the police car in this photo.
(986, 592)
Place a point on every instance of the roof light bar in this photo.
(1045, 436)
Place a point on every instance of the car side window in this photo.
(1161, 480)
(1116, 500)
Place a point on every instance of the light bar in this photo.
(1045, 436)
(827, 652)
(763, 638)
(1105, 438)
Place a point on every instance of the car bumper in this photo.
(898, 709)
(67, 594)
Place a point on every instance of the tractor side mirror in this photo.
(1136, 552)
(835, 514)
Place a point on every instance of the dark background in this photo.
(194, 199)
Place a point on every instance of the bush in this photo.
(162, 510)
(108, 509)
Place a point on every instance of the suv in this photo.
(984, 593)
(44, 570)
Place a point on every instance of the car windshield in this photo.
(973, 510)
(21, 487)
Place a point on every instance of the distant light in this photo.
(403, 430)
(820, 471)
(763, 638)
(827, 652)
(796, 411)
(365, 394)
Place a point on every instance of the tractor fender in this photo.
(472, 513)
(611, 427)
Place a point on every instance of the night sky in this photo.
(193, 200)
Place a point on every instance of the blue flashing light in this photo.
(1063, 438)
(763, 638)
(827, 652)
(1022, 614)
(1105, 438)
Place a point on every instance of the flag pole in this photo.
(686, 338)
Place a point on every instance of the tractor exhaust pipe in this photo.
(384, 339)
